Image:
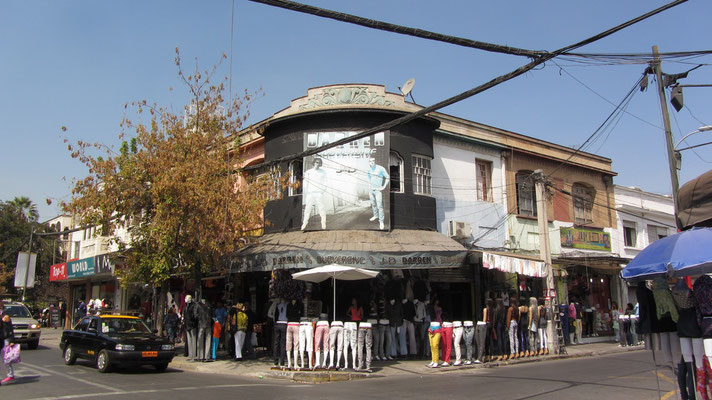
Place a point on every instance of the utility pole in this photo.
(545, 253)
(656, 66)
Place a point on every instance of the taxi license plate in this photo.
(149, 354)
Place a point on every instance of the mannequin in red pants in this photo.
(447, 343)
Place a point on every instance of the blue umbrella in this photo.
(682, 254)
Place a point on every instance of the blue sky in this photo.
(76, 63)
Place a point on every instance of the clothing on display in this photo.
(365, 343)
(336, 343)
(434, 332)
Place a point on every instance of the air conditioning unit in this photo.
(459, 230)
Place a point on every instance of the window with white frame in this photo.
(483, 175)
(273, 177)
(295, 177)
(656, 232)
(630, 235)
(526, 195)
(422, 175)
(395, 165)
(583, 196)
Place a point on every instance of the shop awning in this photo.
(399, 248)
(605, 262)
(519, 264)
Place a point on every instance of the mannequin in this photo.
(541, 327)
(533, 322)
(395, 317)
(384, 332)
(468, 334)
(434, 332)
(457, 332)
(240, 323)
(279, 333)
(205, 331)
(191, 326)
(336, 341)
(647, 318)
(321, 342)
(499, 329)
(350, 341)
(419, 326)
(294, 314)
(409, 326)
(702, 291)
(524, 328)
(365, 342)
(512, 324)
(446, 336)
(306, 342)
(689, 332)
(572, 322)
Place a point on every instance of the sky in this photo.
(76, 63)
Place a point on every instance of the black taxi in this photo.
(115, 341)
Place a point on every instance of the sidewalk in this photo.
(262, 367)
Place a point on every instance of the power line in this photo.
(466, 94)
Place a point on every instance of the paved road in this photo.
(630, 375)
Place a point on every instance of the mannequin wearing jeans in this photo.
(321, 342)
(395, 316)
(336, 342)
(365, 342)
(279, 334)
(306, 342)
(409, 327)
(190, 319)
(447, 343)
(523, 328)
(384, 339)
(421, 330)
(350, 340)
(469, 335)
(434, 332)
(480, 338)
(532, 326)
(292, 346)
(541, 328)
(512, 326)
(457, 332)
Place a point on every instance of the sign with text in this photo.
(588, 239)
(58, 272)
(80, 268)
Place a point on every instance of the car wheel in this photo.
(69, 356)
(33, 345)
(161, 367)
(102, 361)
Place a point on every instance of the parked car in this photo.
(27, 329)
(115, 341)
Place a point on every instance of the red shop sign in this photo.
(58, 272)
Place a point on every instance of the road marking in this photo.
(668, 395)
(133, 392)
(87, 382)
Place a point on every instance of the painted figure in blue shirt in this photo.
(378, 179)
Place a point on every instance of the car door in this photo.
(94, 337)
(78, 337)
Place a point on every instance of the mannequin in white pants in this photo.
(350, 340)
(306, 342)
(336, 342)
(457, 332)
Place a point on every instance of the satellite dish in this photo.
(408, 86)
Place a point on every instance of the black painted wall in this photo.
(284, 137)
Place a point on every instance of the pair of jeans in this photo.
(435, 345)
(191, 338)
(447, 342)
(421, 333)
(365, 342)
(350, 341)
(469, 335)
(409, 331)
(480, 338)
(523, 339)
(400, 342)
(214, 353)
(457, 333)
(203, 343)
(384, 332)
(513, 342)
(279, 343)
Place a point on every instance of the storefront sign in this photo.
(80, 268)
(514, 265)
(370, 260)
(585, 239)
(104, 264)
(58, 272)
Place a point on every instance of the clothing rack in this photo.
(559, 329)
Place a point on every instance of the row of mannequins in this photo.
(516, 331)
(198, 321)
(676, 320)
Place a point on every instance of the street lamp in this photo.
(678, 156)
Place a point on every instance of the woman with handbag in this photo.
(10, 350)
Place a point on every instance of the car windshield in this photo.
(17, 311)
(123, 325)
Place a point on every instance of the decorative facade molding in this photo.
(346, 95)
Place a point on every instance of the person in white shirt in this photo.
(315, 183)
(378, 179)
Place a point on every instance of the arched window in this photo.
(526, 195)
(583, 196)
(396, 171)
